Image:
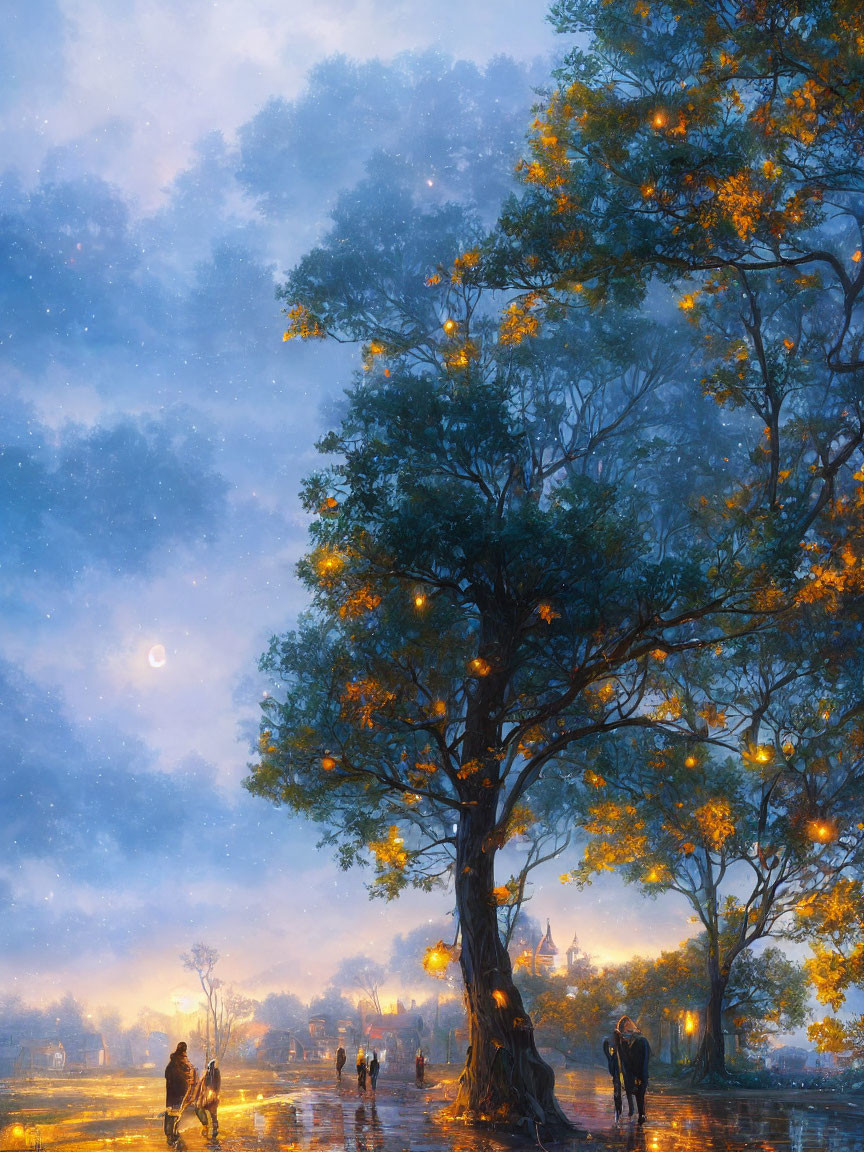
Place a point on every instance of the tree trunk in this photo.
(674, 1041)
(504, 1080)
(710, 1062)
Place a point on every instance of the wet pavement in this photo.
(304, 1110)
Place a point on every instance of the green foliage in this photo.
(710, 152)
(550, 519)
(767, 993)
(491, 541)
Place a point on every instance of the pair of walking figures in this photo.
(627, 1055)
(183, 1087)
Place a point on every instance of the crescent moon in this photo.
(156, 656)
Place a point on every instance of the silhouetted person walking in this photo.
(340, 1062)
(374, 1069)
(207, 1098)
(628, 1055)
(180, 1079)
(420, 1067)
(361, 1071)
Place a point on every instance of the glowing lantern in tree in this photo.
(822, 831)
(479, 667)
(420, 600)
(438, 957)
(328, 563)
(758, 753)
(547, 612)
(450, 326)
(328, 763)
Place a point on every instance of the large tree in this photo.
(505, 540)
(751, 809)
(709, 155)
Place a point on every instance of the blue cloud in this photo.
(109, 497)
(32, 50)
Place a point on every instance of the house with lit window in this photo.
(395, 1036)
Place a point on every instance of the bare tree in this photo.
(223, 1007)
(363, 973)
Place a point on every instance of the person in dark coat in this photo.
(340, 1062)
(420, 1067)
(180, 1080)
(207, 1098)
(374, 1069)
(628, 1054)
(361, 1070)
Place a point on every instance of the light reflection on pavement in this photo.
(303, 1110)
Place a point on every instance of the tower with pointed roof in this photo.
(544, 956)
(578, 962)
(573, 953)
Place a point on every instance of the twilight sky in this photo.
(164, 163)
